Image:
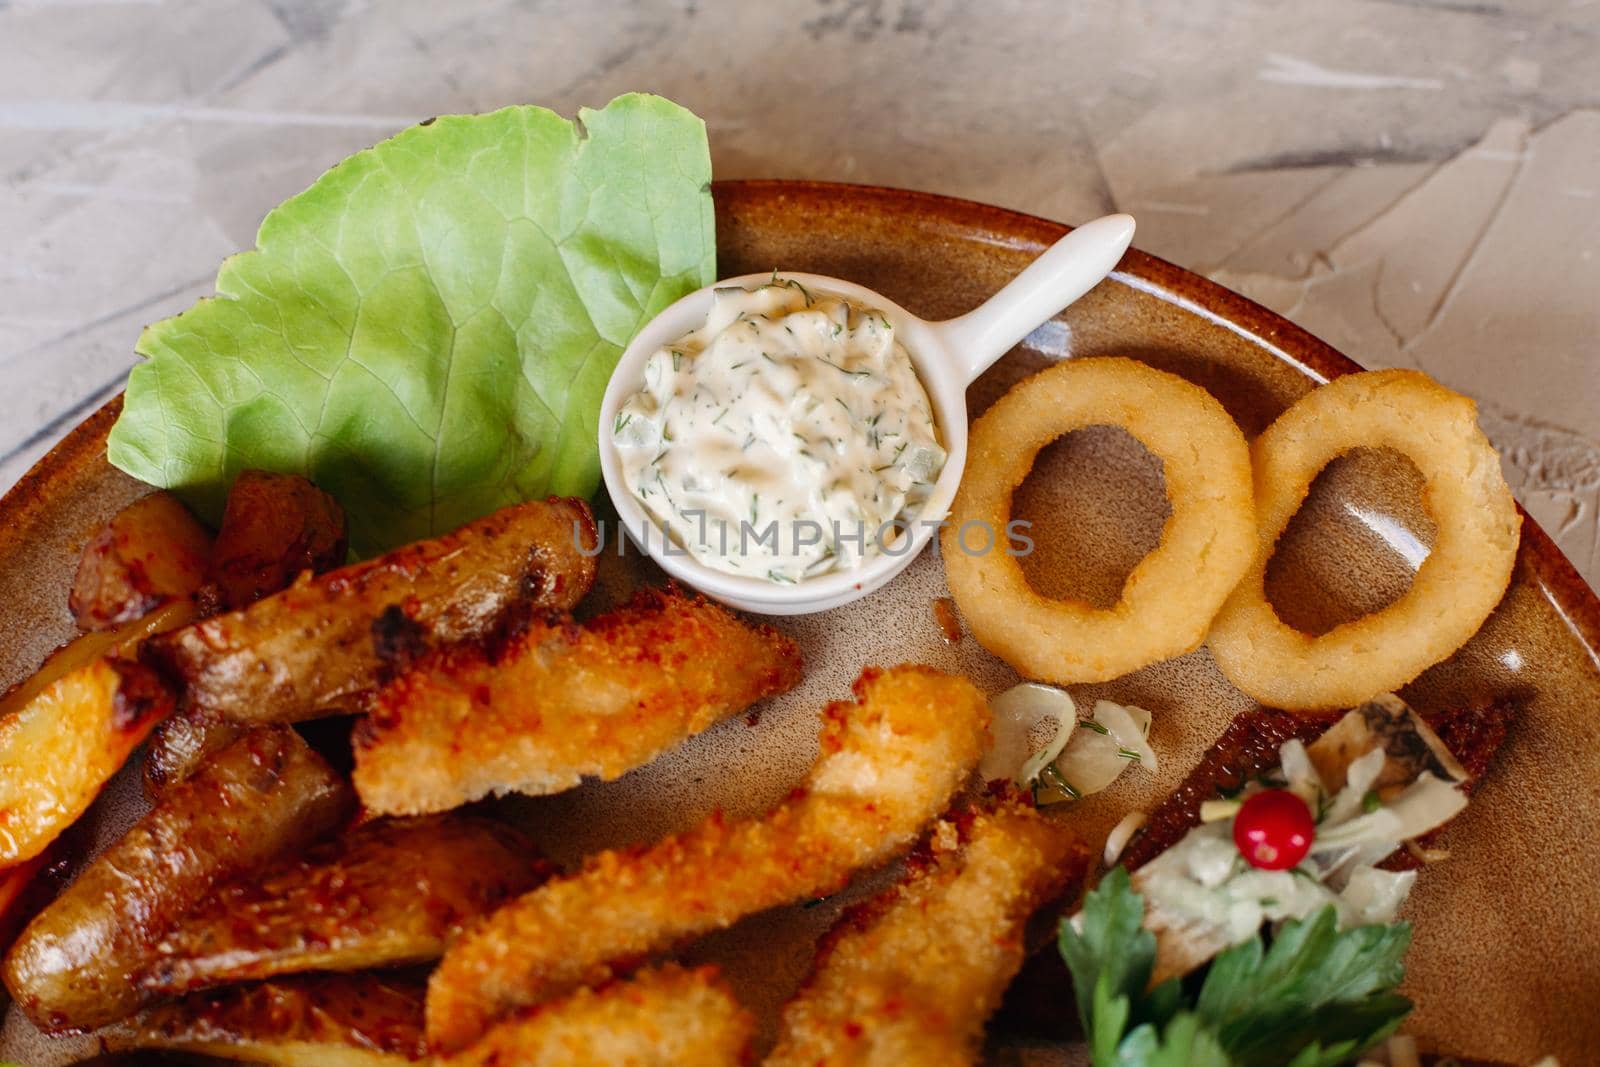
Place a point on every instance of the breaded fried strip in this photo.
(561, 701)
(668, 1017)
(385, 894)
(321, 645)
(342, 1020)
(889, 763)
(912, 976)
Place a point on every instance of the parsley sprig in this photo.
(1316, 996)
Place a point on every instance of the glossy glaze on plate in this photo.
(1504, 964)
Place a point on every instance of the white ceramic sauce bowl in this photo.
(948, 357)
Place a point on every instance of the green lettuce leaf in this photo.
(1317, 996)
(427, 331)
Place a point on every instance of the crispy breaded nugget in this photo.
(889, 762)
(911, 976)
(321, 645)
(668, 1017)
(385, 894)
(561, 701)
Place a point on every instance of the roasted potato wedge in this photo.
(321, 646)
(385, 894)
(275, 526)
(67, 729)
(355, 1020)
(264, 795)
(180, 744)
(151, 552)
(58, 749)
(123, 642)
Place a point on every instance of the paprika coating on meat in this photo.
(665, 1017)
(913, 975)
(540, 710)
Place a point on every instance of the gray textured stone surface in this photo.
(1416, 181)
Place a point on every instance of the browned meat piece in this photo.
(1385, 725)
(1474, 733)
(344, 1020)
(264, 795)
(912, 976)
(561, 701)
(151, 552)
(668, 1017)
(322, 645)
(889, 762)
(385, 894)
(275, 526)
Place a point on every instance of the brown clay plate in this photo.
(1506, 959)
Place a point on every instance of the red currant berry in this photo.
(1274, 830)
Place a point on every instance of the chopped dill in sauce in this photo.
(784, 436)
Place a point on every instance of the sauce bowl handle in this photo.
(1067, 269)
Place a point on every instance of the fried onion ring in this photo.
(1453, 592)
(1168, 602)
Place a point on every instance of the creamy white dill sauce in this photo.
(779, 439)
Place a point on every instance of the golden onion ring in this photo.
(1167, 604)
(1454, 590)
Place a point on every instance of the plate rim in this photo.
(1574, 600)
